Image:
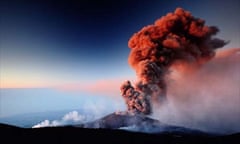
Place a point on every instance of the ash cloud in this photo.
(177, 39)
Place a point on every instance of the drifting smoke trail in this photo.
(208, 99)
(177, 38)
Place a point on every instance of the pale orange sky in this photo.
(9, 80)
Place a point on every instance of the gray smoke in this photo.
(208, 99)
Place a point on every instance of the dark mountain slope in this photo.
(69, 134)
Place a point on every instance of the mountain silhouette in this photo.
(114, 128)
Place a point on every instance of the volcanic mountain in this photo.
(138, 123)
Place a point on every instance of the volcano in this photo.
(137, 123)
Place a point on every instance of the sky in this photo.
(48, 43)
(71, 44)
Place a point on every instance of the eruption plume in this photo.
(177, 38)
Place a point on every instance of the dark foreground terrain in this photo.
(68, 134)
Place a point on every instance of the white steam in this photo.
(90, 111)
(71, 117)
(74, 116)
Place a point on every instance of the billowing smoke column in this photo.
(175, 38)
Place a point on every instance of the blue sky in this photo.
(44, 43)
(50, 43)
